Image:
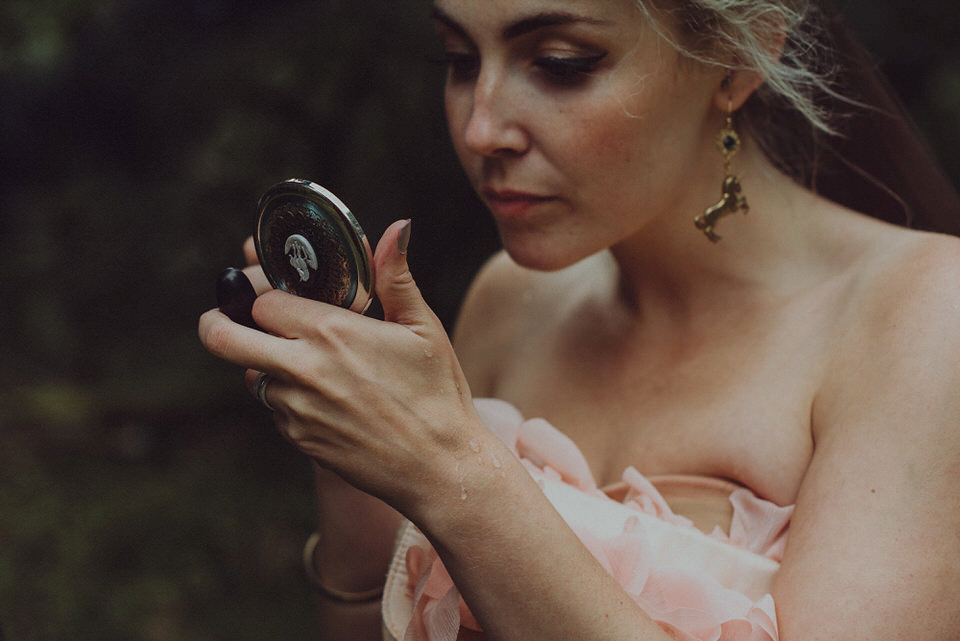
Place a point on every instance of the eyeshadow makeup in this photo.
(309, 244)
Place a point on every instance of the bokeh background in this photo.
(143, 495)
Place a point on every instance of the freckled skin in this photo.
(616, 150)
(771, 358)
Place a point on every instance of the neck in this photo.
(670, 267)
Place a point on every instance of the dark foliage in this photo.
(142, 494)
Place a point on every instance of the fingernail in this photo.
(403, 238)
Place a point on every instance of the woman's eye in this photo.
(461, 66)
(566, 70)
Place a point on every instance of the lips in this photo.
(510, 203)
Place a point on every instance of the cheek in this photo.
(645, 120)
(624, 169)
(605, 146)
(646, 145)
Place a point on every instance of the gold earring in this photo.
(731, 200)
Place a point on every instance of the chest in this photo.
(737, 409)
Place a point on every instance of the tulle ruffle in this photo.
(697, 587)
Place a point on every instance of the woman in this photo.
(810, 357)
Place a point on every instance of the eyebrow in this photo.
(525, 25)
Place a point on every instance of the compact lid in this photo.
(309, 244)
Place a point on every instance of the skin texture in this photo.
(811, 355)
(611, 148)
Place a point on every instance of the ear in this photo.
(735, 88)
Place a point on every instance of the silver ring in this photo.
(260, 389)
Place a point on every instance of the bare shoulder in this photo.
(505, 306)
(489, 321)
(924, 259)
(895, 372)
(879, 507)
(910, 294)
(495, 290)
(903, 315)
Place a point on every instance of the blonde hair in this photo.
(747, 35)
(825, 114)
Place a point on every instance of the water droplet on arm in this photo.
(463, 488)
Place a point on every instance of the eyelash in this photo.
(558, 70)
(565, 71)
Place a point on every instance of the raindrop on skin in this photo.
(463, 488)
(498, 466)
(475, 447)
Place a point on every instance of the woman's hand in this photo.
(383, 404)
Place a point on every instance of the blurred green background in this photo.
(143, 495)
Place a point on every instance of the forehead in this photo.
(500, 12)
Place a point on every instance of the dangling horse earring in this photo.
(731, 201)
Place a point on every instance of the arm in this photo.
(385, 406)
(874, 551)
(357, 533)
(520, 568)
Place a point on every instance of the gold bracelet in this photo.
(310, 568)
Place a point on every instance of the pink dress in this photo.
(697, 586)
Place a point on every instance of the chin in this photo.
(540, 254)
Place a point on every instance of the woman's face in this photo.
(576, 123)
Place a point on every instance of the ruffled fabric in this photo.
(697, 587)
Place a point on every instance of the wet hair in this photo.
(825, 114)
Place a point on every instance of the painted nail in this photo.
(403, 238)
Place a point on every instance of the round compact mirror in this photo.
(309, 244)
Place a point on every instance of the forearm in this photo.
(520, 568)
(357, 533)
(348, 621)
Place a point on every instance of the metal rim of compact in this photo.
(310, 245)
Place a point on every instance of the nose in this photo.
(493, 128)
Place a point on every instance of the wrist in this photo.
(476, 486)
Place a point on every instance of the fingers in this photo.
(282, 318)
(401, 299)
(285, 318)
(262, 387)
(399, 296)
(253, 270)
(250, 252)
(258, 279)
(295, 317)
(241, 345)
